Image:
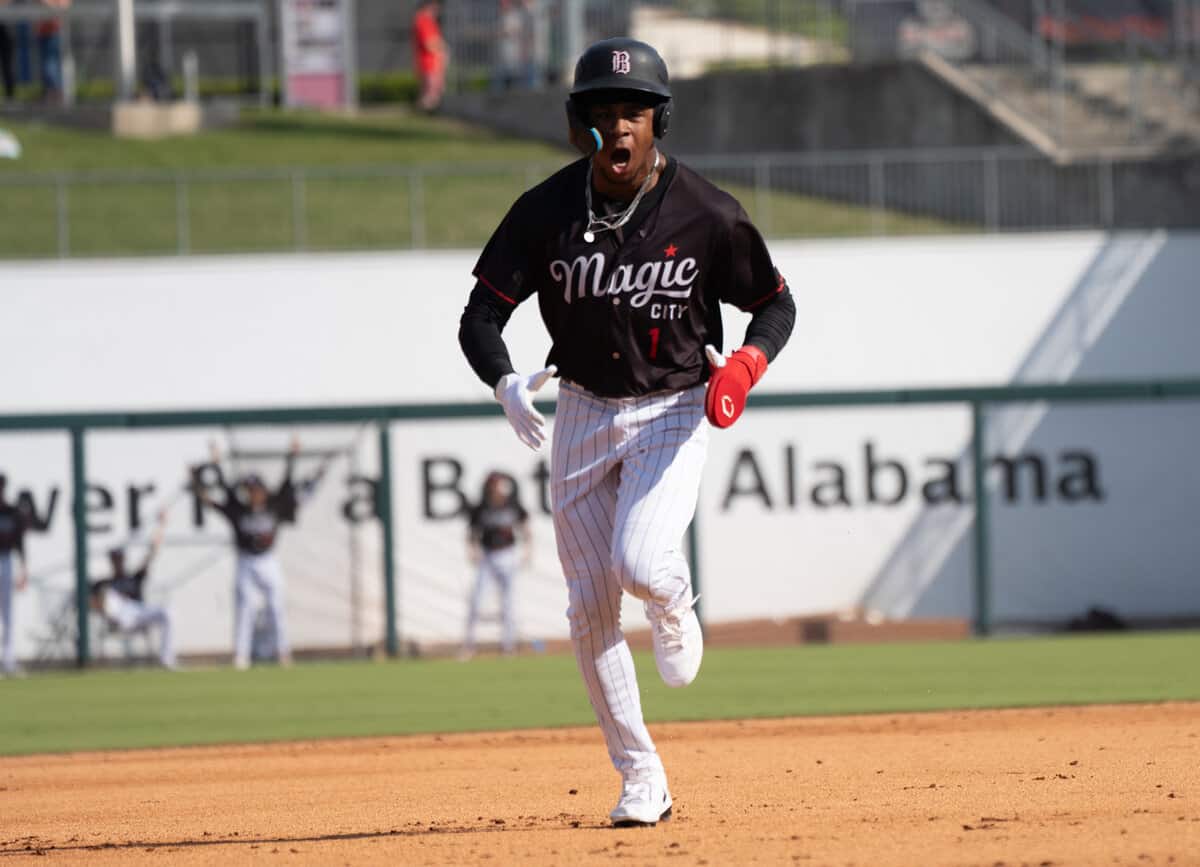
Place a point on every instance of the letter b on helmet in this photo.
(623, 64)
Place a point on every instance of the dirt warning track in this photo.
(1060, 786)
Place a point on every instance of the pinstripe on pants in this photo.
(625, 477)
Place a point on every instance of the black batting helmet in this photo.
(624, 64)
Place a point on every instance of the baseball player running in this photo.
(494, 527)
(629, 253)
(255, 521)
(13, 525)
(120, 598)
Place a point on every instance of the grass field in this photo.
(141, 708)
(282, 180)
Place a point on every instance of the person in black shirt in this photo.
(14, 523)
(255, 517)
(494, 527)
(121, 600)
(630, 254)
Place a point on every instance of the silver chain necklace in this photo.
(608, 224)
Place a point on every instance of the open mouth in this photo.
(619, 157)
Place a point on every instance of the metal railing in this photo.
(849, 193)
(978, 399)
(531, 44)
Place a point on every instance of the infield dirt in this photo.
(1052, 786)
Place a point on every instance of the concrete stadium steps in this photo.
(1092, 114)
(1163, 97)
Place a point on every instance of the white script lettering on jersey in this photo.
(667, 278)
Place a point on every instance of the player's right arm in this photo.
(503, 280)
(201, 489)
(156, 540)
(289, 464)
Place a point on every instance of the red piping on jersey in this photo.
(484, 281)
(764, 299)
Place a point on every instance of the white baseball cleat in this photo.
(643, 802)
(678, 641)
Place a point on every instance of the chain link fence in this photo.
(858, 193)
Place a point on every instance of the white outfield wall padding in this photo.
(1092, 502)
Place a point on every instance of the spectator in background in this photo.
(429, 54)
(535, 42)
(508, 46)
(495, 525)
(49, 42)
(8, 72)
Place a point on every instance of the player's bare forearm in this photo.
(156, 540)
(289, 465)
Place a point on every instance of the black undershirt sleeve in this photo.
(230, 493)
(771, 324)
(479, 331)
(289, 464)
(503, 282)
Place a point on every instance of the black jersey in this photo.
(128, 585)
(254, 530)
(630, 313)
(13, 525)
(495, 527)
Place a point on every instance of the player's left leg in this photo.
(143, 617)
(9, 661)
(584, 470)
(156, 615)
(660, 485)
(504, 567)
(243, 617)
(271, 582)
(481, 578)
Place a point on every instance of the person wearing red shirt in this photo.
(429, 54)
(49, 41)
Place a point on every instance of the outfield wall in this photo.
(801, 511)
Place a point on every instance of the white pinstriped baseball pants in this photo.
(624, 480)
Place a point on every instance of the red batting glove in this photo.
(732, 378)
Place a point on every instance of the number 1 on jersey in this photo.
(654, 332)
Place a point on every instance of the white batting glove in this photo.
(716, 359)
(515, 393)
